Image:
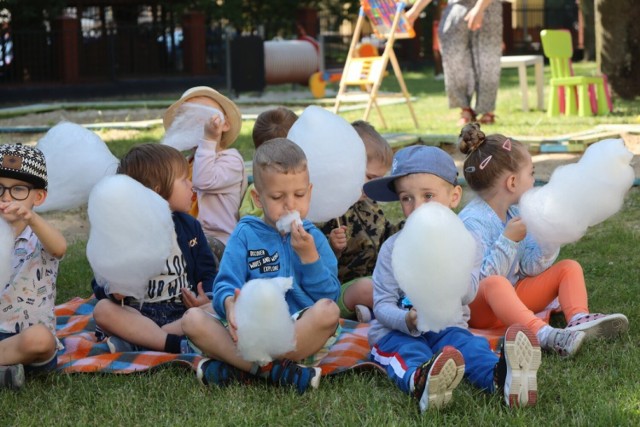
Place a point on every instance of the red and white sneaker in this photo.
(436, 379)
(516, 371)
(598, 325)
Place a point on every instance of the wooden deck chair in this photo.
(388, 23)
(571, 94)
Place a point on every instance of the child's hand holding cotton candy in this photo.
(283, 224)
(432, 260)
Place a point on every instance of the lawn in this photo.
(597, 387)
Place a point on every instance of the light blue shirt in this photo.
(501, 256)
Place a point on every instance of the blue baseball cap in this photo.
(414, 159)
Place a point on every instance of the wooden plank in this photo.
(401, 140)
(624, 128)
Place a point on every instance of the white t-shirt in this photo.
(167, 286)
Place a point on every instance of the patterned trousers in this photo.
(471, 59)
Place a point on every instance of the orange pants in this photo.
(498, 303)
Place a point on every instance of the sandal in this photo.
(467, 115)
(487, 119)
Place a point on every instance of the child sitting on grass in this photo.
(219, 178)
(270, 124)
(356, 237)
(257, 249)
(518, 277)
(27, 319)
(154, 323)
(428, 364)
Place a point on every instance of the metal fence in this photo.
(28, 56)
(145, 51)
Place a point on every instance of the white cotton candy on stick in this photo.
(337, 161)
(265, 327)
(579, 195)
(76, 160)
(283, 224)
(7, 241)
(432, 260)
(131, 234)
(187, 128)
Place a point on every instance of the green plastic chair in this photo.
(572, 94)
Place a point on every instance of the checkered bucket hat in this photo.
(24, 163)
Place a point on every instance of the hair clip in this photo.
(470, 169)
(507, 144)
(485, 162)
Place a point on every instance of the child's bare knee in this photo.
(327, 312)
(37, 341)
(193, 321)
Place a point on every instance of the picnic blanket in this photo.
(82, 353)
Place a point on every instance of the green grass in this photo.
(598, 387)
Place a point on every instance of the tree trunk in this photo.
(619, 40)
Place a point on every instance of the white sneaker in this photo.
(521, 356)
(565, 342)
(597, 325)
(436, 379)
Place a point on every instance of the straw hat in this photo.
(230, 110)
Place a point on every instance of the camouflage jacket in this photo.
(367, 229)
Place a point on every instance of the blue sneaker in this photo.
(286, 372)
(215, 372)
(186, 347)
(118, 345)
(12, 376)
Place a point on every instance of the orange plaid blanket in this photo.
(82, 353)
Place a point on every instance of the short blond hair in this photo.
(279, 155)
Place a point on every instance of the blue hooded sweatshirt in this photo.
(256, 250)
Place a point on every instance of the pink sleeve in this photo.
(216, 172)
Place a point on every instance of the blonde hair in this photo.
(375, 145)
(156, 166)
(279, 155)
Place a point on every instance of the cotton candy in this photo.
(7, 241)
(131, 235)
(187, 129)
(283, 224)
(76, 160)
(432, 260)
(265, 327)
(337, 161)
(579, 195)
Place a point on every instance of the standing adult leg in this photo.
(486, 50)
(456, 56)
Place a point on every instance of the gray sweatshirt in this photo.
(387, 296)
